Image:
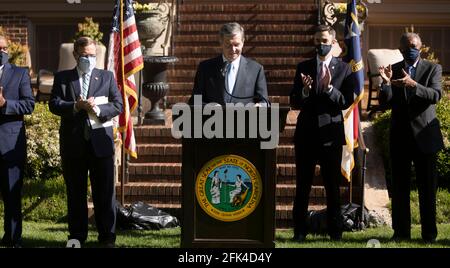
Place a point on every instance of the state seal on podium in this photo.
(228, 188)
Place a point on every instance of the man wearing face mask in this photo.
(230, 77)
(322, 89)
(87, 99)
(16, 100)
(412, 88)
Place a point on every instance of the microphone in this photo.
(257, 96)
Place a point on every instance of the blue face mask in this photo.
(3, 58)
(87, 64)
(411, 54)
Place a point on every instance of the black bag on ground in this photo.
(316, 220)
(141, 216)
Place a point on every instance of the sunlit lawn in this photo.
(40, 234)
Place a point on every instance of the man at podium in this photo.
(230, 77)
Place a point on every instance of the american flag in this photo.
(124, 60)
(351, 116)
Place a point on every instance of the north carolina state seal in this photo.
(228, 188)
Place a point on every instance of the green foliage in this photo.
(382, 122)
(90, 29)
(42, 128)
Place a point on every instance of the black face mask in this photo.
(411, 54)
(323, 50)
(3, 58)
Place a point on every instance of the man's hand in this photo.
(326, 80)
(385, 73)
(406, 81)
(87, 105)
(307, 83)
(2, 99)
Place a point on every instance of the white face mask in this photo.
(87, 63)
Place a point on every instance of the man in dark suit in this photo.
(230, 77)
(16, 100)
(87, 99)
(322, 89)
(412, 88)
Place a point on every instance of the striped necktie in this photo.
(85, 87)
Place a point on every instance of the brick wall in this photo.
(15, 26)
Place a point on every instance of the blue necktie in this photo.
(231, 77)
(85, 87)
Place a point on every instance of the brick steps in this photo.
(244, 7)
(170, 193)
(269, 63)
(281, 100)
(306, 17)
(171, 153)
(275, 89)
(162, 134)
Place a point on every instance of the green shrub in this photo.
(382, 125)
(43, 160)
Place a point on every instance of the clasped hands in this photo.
(307, 81)
(386, 75)
(86, 104)
(2, 99)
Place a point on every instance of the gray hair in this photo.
(231, 29)
(404, 39)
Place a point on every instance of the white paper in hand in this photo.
(95, 122)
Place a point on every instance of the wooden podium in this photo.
(218, 208)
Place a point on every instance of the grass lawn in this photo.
(39, 234)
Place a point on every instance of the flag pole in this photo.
(122, 178)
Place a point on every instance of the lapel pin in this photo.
(96, 78)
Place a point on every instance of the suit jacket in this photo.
(413, 110)
(19, 101)
(210, 82)
(320, 119)
(66, 90)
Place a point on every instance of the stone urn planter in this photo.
(155, 86)
(151, 25)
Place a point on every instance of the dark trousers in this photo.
(329, 159)
(402, 156)
(11, 181)
(101, 175)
